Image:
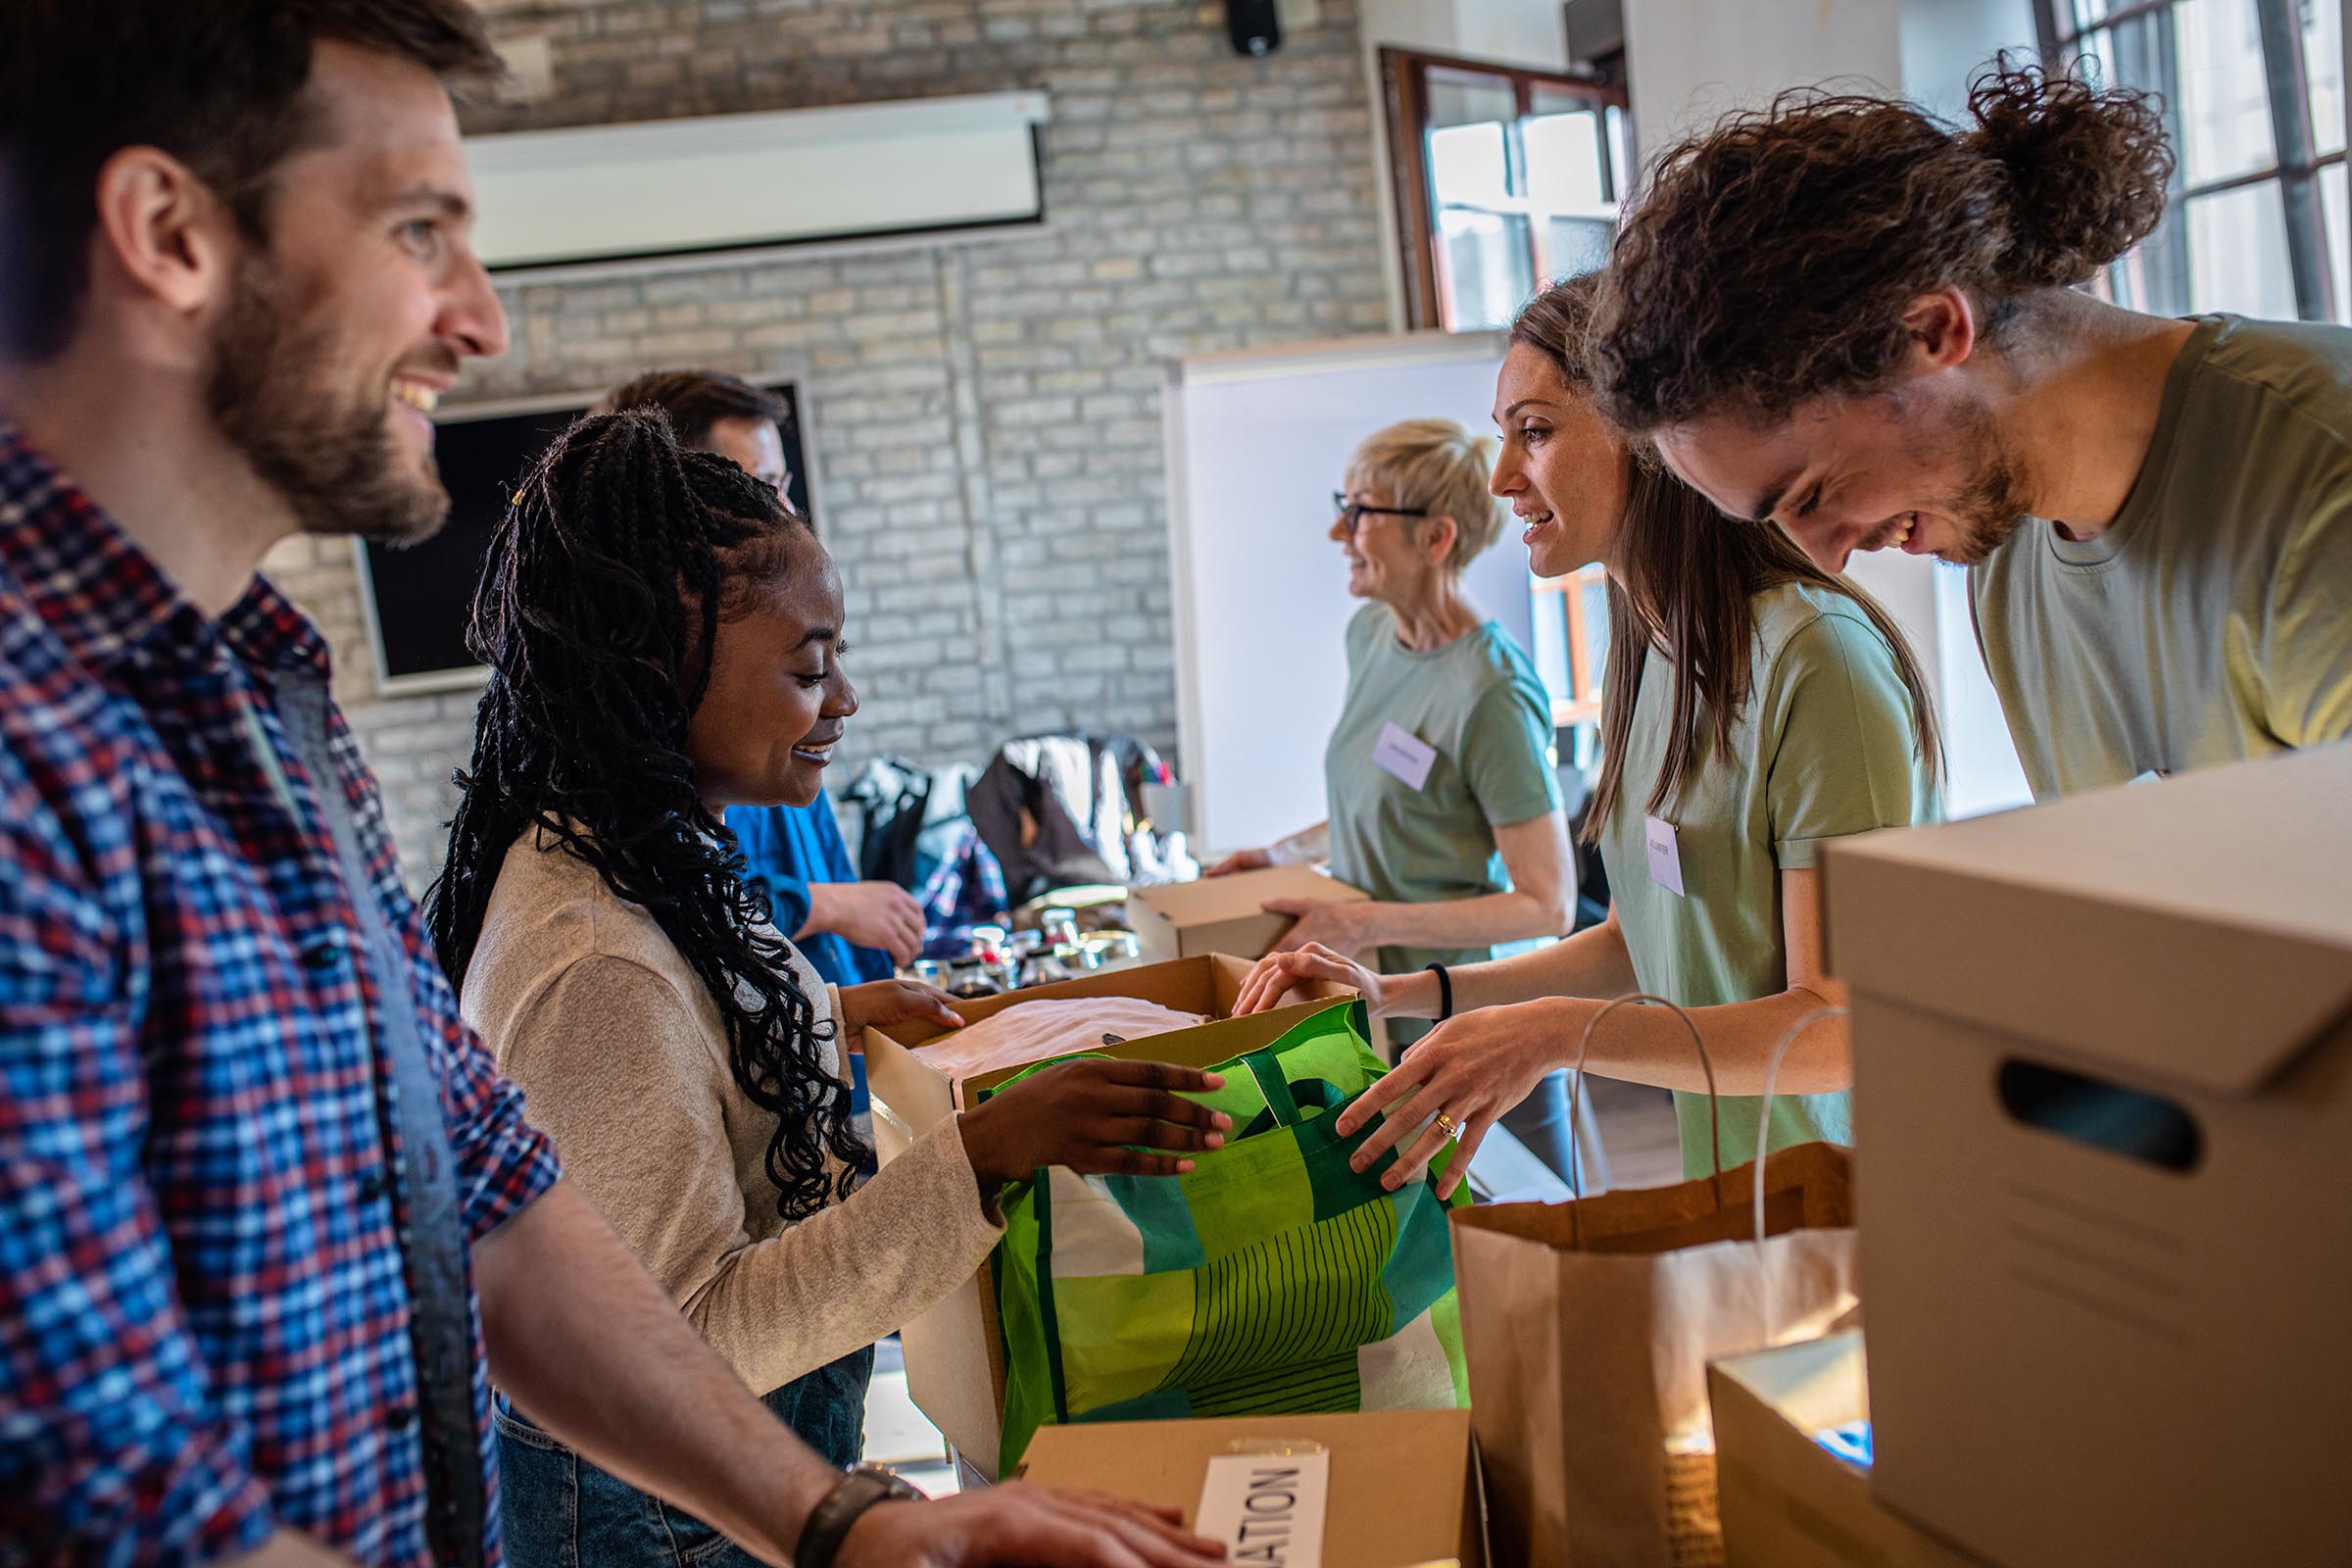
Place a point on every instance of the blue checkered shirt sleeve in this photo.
(107, 1431)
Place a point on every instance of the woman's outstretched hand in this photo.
(1467, 1071)
(1278, 974)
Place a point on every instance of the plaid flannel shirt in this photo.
(204, 1320)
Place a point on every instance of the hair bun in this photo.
(2087, 169)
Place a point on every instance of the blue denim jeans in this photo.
(560, 1511)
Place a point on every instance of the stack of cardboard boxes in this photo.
(2103, 1129)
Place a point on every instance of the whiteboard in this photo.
(1257, 441)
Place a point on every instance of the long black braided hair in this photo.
(597, 613)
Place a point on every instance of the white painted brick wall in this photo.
(985, 415)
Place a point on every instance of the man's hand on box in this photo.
(1024, 1525)
(882, 1003)
(1270, 984)
(1087, 1116)
(1241, 861)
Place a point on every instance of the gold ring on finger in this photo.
(1447, 1125)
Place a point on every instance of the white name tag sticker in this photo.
(1266, 1509)
(1404, 756)
(1665, 854)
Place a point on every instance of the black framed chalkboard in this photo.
(417, 598)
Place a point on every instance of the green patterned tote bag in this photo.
(1271, 1279)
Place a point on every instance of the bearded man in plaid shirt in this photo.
(268, 1214)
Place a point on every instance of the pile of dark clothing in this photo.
(1067, 810)
(911, 828)
(1049, 811)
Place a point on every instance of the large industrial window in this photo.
(2253, 95)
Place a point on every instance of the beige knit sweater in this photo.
(623, 1059)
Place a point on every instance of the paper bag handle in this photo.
(1772, 1073)
(1584, 1046)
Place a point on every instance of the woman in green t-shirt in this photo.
(1754, 706)
(1438, 773)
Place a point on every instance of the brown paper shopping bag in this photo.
(1588, 1327)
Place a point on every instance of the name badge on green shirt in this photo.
(1665, 854)
(1403, 755)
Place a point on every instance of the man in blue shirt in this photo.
(853, 931)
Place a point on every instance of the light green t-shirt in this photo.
(1825, 746)
(2213, 620)
(1479, 704)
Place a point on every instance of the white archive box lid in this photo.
(2198, 927)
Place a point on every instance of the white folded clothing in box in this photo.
(1039, 1031)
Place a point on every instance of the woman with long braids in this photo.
(1754, 706)
(664, 641)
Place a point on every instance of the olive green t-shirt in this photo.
(1825, 746)
(1478, 704)
(2213, 621)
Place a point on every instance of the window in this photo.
(1504, 179)
(2253, 96)
(1572, 642)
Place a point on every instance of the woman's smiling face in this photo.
(778, 698)
(1562, 468)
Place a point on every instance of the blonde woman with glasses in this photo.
(1444, 804)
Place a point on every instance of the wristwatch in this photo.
(859, 1490)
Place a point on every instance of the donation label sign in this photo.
(1267, 1508)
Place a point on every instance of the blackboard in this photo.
(420, 597)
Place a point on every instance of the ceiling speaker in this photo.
(1254, 27)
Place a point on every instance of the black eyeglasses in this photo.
(1356, 511)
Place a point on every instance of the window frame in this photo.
(1404, 85)
(1581, 703)
(2296, 167)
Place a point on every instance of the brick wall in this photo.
(984, 414)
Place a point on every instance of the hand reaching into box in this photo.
(1095, 1116)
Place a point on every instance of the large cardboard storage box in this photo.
(1224, 913)
(2103, 1118)
(955, 1353)
(1403, 1484)
(1788, 1501)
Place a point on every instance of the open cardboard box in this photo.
(1404, 1483)
(1788, 1501)
(1223, 914)
(2104, 1118)
(955, 1353)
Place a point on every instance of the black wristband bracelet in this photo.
(1444, 992)
(830, 1523)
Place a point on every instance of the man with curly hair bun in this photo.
(1845, 318)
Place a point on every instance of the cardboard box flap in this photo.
(1812, 1383)
(2214, 908)
(1788, 1501)
(1218, 898)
